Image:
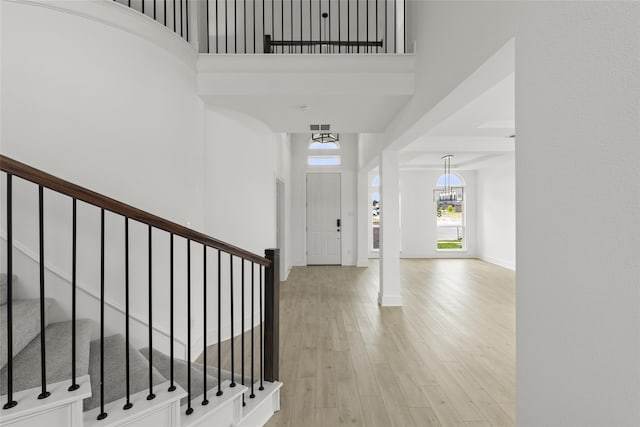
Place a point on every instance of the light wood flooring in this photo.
(447, 357)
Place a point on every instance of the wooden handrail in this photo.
(51, 182)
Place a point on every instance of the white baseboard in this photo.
(500, 262)
(389, 300)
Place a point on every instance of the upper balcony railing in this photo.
(283, 26)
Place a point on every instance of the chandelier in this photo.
(448, 193)
(324, 138)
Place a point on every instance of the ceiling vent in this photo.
(320, 128)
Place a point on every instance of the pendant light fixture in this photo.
(324, 138)
(448, 193)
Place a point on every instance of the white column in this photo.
(364, 217)
(389, 294)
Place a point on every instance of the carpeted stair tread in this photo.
(26, 324)
(115, 371)
(162, 362)
(26, 364)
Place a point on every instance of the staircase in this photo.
(73, 373)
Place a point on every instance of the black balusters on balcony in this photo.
(74, 235)
(43, 358)
(217, 24)
(186, 9)
(324, 39)
(127, 337)
(102, 414)
(9, 346)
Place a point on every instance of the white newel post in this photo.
(389, 294)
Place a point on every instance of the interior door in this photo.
(323, 219)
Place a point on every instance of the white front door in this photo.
(323, 219)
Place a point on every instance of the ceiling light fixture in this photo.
(448, 193)
(324, 138)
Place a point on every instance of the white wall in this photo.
(243, 160)
(497, 212)
(577, 97)
(117, 112)
(348, 169)
(87, 109)
(578, 281)
(418, 215)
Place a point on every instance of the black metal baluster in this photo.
(233, 382)
(281, 21)
(208, 38)
(386, 21)
(339, 26)
(174, 16)
(128, 404)
(181, 20)
(329, 35)
(404, 27)
(172, 386)
(349, 25)
(154, 10)
(310, 26)
(242, 312)
(261, 343)
(320, 25)
(186, 11)
(189, 408)
(263, 21)
(367, 10)
(74, 234)
(226, 26)
(273, 25)
(253, 271)
(358, 23)
(151, 396)
(301, 19)
(244, 26)
(235, 26)
(143, 6)
(219, 393)
(204, 319)
(102, 414)
(377, 22)
(291, 48)
(10, 402)
(254, 26)
(164, 11)
(217, 32)
(395, 26)
(43, 358)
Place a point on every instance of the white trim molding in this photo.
(389, 300)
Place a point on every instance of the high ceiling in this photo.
(352, 93)
(478, 132)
